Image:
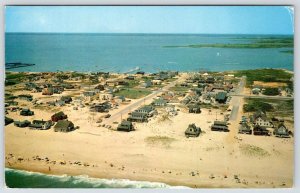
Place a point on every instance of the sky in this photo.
(151, 19)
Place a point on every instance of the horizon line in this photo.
(154, 33)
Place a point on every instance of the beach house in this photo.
(64, 126)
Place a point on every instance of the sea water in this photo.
(24, 179)
(123, 52)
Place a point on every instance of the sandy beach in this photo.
(157, 151)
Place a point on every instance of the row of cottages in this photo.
(260, 118)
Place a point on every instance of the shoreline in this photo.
(87, 72)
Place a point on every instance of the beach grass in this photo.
(264, 75)
(133, 93)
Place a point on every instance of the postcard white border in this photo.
(294, 3)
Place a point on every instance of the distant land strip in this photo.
(262, 43)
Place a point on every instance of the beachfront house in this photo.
(281, 131)
(244, 128)
(58, 116)
(219, 126)
(138, 117)
(125, 126)
(192, 131)
(64, 126)
(40, 124)
(260, 118)
(22, 124)
(149, 110)
(260, 130)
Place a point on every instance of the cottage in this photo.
(58, 116)
(106, 96)
(260, 118)
(99, 88)
(8, 120)
(221, 97)
(58, 89)
(64, 126)
(159, 102)
(119, 99)
(194, 108)
(260, 130)
(147, 109)
(40, 124)
(245, 129)
(111, 83)
(255, 91)
(130, 78)
(66, 99)
(22, 123)
(26, 97)
(138, 117)
(125, 126)
(220, 126)
(210, 80)
(26, 112)
(47, 91)
(156, 82)
(192, 131)
(59, 103)
(171, 110)
(281, 131)
(146, 84)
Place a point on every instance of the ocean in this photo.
(24, 179)
(123, 52)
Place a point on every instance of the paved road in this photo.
(235, 100)
(263, 97)
(136, 104)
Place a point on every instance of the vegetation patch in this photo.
(256, 43)
(271, 91)
(133, 93)
(257, 105)
(251, 150)
(179, 89)
(159, 140)
(265, 75)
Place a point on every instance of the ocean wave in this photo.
(26, 179)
